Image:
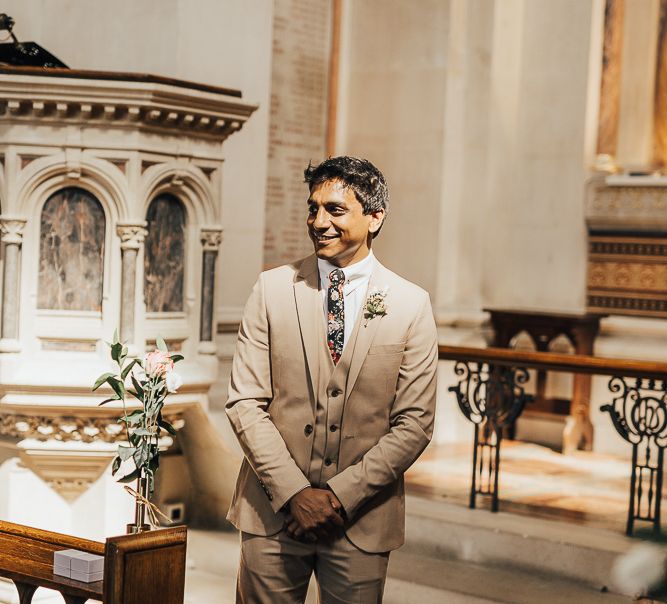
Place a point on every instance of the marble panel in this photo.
(71, 251)
(164, 255)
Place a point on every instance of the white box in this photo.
(87, 577)
(78, 565)
(63, 571)
(87, 563)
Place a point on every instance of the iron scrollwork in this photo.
(492, 397)
(639, 414)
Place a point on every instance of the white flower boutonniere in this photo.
(375, 304)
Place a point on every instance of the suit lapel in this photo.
(310, 312)
(366, 331)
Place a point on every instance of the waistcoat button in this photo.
(327, 462)
(333, 427)
(336, 392)
(308, 430)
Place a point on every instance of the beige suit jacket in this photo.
(389, 403)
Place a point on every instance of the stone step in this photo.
(418, 579)
(564, 551)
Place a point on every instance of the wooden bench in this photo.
(148, 568)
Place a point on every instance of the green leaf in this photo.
(128, 368)
(177, 357)
(116, 350)
(100, 380)
(117, 386)
(115, 336)
(141, 455)
(144, 432)
(108, 400)
(154, 463)
(161, 345)
(138, 387)
(125, 452)
(115, 466)
(134, 439)
(167, 426)
(133, 475)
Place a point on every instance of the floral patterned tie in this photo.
(336, 314)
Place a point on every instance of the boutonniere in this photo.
(375, 306)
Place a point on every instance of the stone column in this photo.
(132, 237)
(211, 238)
(11, 229)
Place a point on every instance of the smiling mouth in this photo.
(324, 238)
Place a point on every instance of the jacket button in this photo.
(333, 427)
(308, 430)
(327, 462)
(336, 392)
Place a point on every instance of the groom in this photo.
(332, 397)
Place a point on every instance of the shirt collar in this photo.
(355, 274)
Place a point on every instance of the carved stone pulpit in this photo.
(110, 217)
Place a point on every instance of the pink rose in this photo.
(157, 363)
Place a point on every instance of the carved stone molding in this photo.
(211, 238)
(70, 474)
(69, 428)
(146, 103)
(131, 235)
(626, 206)
(11, 228)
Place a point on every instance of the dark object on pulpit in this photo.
(580, 329)
(147, 568)
(24, 54)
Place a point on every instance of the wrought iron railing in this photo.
(491, 394)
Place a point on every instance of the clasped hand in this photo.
(314, 514)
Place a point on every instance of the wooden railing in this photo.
(491, 393)
(146, 568)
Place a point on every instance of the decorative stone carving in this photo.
(131, 239)
(158, 106)
(132, 235)
(69, 428)
(627, 245)
(211, 238)
(11, 228)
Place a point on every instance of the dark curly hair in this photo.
(360, 175)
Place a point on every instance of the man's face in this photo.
(338, 228)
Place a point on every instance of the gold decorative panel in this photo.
(627, 274)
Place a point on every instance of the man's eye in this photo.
(336, 211)
(312, 210)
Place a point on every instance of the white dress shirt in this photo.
(357, 276)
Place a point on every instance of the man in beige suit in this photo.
(332, 397)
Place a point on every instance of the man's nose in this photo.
(321, 219)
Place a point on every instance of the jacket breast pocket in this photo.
(387, 349)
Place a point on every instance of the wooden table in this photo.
(543, 327)
(148, 568)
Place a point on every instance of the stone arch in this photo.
(185, 181)
(43, 176)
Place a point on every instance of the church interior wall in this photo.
(481, 113)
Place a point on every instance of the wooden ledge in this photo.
(552, 361)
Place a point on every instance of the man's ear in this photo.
(377, 218)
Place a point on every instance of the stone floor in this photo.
(584, 490)
(584, 487)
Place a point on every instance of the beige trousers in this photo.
(277, 569)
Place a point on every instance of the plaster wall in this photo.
(392, 109)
